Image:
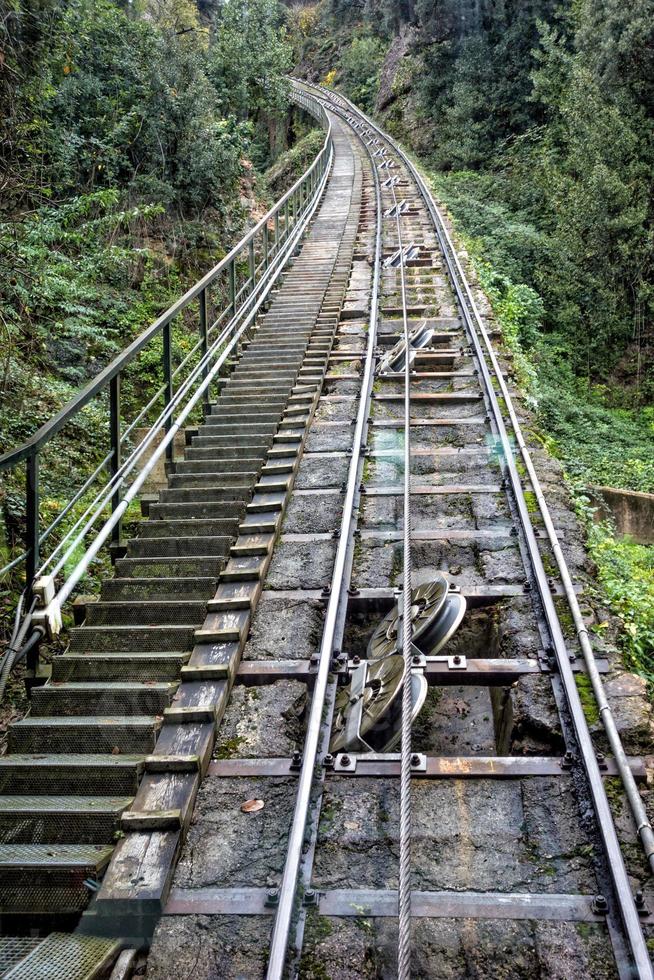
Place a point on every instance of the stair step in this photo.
(114, 735)
(197, 510)
(178, 547)
(232, 471)
(229, 453)
(126, 638)
(233, 436)
(155, 665)
(197, 565)
(109, 774)
(150, 589)
(214, 494)
(205, 477)
(127, 698)
(39, 878)
(157, 612)
(70, 955)
(60, 819)
(241, 420)
(209, 528)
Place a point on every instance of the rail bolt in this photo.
(639, 901)
(272, 898)
(600, 906)
(415, 759)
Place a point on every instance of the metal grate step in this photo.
(64, 957)
(60, 819)
(39, 878)
(126, 638)
(68, 698)
(179, 547)
(112, 666)
(142, 589)
(111, 775)
(114, 735)
(140, 612)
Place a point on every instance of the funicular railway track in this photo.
(248, 601)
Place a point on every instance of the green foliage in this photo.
(292, 164)
(599, 445)
(124, 159)
(361, 62)
(626, 574)
(250, 57)
(539, 116)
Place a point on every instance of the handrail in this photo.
(263, 250)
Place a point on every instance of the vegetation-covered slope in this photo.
(131, 137)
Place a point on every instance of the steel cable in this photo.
(404, 884)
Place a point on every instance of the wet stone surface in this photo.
(313, 513)
(378, 563)
(336, 411)
(330, 438)
(425, 436)
(533, 725)
(427, 470)
(226, 846)
(285, 629)
(301, 565)
(427, 410)
(435, 511)
(490, 835)
(321, 471)
(209, 947)
(457, 949)
(265, 721)
(455, 721)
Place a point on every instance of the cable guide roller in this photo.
(368, 713)
(395, 360)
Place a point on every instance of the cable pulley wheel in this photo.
(427, 601)
(381, 708)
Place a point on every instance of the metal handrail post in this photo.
(204, 335)
(32, 517)
(251, 265)
(168, 383)
(115, 462)
(232, 287)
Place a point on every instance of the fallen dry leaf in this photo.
(351, 825)
(251, 806)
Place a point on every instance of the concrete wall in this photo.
(632, 512)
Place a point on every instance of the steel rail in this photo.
(313, 817)
(52, 613)
(604, 819)
(338, 596)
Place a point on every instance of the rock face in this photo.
(391, 81)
